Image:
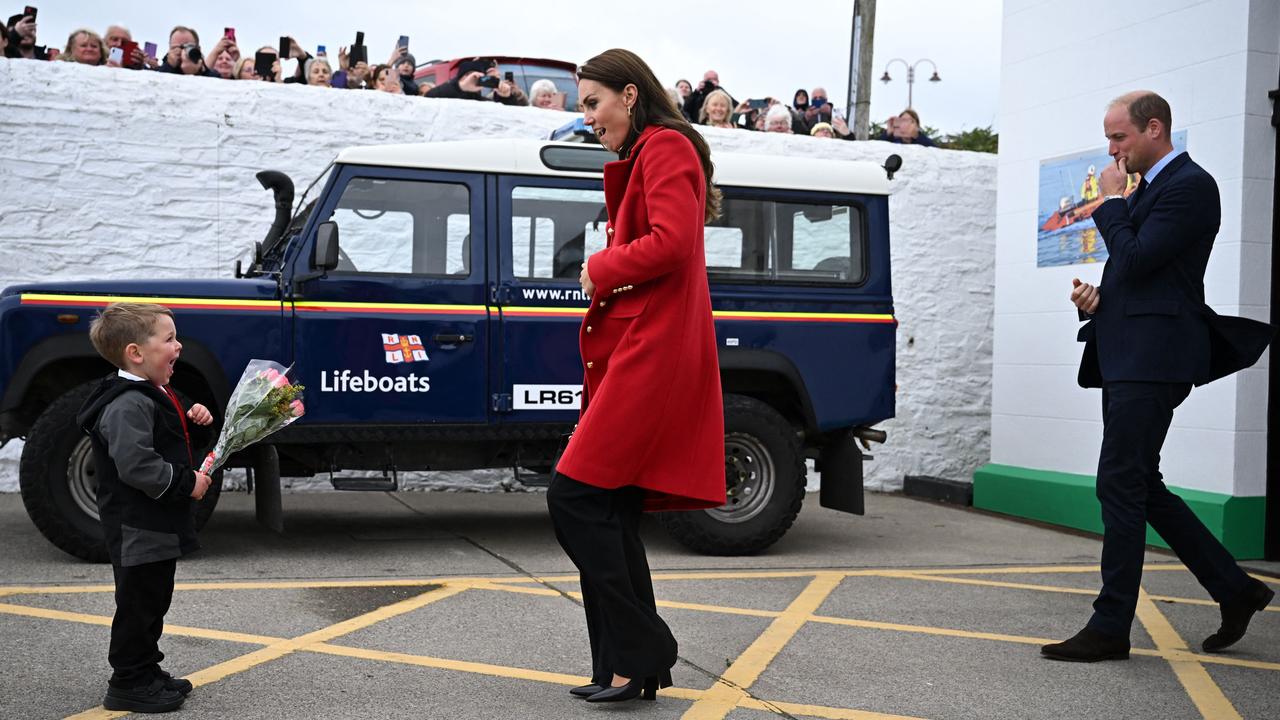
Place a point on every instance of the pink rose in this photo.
(271, 374)
(279, 380)
(297, 408)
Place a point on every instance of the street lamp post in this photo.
(911, 74)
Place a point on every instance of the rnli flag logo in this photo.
(403, 348)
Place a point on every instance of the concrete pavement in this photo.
(461, 605)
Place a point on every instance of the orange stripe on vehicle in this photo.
(394, 308)
(176, 303)
(803, 317)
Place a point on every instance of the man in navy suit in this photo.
(1149, 338)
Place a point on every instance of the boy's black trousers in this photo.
(143, 594)
(599, 530)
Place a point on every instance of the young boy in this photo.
(146, 484)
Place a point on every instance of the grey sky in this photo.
(759, 48)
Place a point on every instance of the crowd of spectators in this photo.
(186, 56)
(810, 112)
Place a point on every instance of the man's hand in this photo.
(1114, 178)
(26, 27)
(295, 50)
(588, 287)
(200, 414)
(202, 485)
(841, 127)
(396, 54)
(1085, 296)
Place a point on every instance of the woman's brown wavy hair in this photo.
(617, 68)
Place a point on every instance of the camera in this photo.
(489, 81)
(192, 52)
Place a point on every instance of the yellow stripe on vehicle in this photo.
(307, 306)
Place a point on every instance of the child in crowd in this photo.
(147, 481)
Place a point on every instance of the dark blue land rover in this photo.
(428, 299)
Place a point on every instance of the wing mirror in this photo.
(326, 256)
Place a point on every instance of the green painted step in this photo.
(1068, 499)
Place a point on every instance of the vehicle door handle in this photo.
(452, 338)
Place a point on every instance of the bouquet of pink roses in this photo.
(263, 402)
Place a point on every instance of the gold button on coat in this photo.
(589, 364)
(588, 328)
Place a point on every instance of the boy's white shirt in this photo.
(130, 376)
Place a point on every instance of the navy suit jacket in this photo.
(1152, 323)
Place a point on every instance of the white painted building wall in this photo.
(1214, 61)
(110, 174)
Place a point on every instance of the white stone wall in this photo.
(1214, 61)
(110, 173)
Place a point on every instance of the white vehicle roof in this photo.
(524, 157)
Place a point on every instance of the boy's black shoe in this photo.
(1237, 614)
(150, 698)
(182, 685)
(1088, 646)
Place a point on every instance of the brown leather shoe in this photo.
(1237, 614)
(1088, 646)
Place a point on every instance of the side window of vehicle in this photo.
(760, 240)
(404, 227)
(553, 230)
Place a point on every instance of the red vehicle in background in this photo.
(524, 71)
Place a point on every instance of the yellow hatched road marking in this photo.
(820, 711)
(1205, 693)
(723, 697)
(288, 646)
(105, 620)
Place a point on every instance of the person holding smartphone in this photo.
(472, 76)
(21, 30)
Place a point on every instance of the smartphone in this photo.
(116, 56)
(320, 50)
(149, 50)
(229, 33)
(359, 54)
(285, 47)
(509, 76)
(262, 62)
(757, 104)
(127, 50)
(837, 112)
(30, 12)
(359, 38)
(403, 41)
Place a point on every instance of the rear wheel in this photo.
(764, 485)
(59, 481)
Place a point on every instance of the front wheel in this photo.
(764, 485)
(59, 482)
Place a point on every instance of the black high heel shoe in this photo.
(635, 687)
(586, 691)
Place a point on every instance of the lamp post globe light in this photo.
(911, 74)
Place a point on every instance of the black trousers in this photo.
(600, 532)
(1135, 419)
(143, 594)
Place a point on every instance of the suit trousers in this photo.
(143, 594)
(1135, 420)
(599, 530)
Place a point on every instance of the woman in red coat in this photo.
(651, 432)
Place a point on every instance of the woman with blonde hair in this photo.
(86, 47)
(716, 110)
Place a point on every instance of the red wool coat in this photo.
(653, 415)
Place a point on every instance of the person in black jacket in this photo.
(466, 84)
(1149, 338)
(144, 458)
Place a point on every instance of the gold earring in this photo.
(628, 111)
